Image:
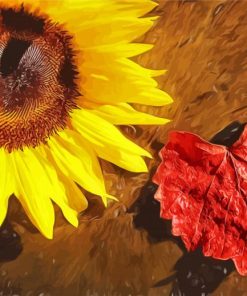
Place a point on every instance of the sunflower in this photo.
(66, 81)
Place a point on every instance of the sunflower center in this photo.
(37, 79)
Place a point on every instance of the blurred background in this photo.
(126, 249)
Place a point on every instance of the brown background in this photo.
(203, 45)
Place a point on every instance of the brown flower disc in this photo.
(37, 78)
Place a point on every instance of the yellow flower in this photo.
(66, 81)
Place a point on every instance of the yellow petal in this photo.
(78, 162)
(117, 50)
(125, 160)
(116, 148)
(59, 193)
(124, 81)
(76, 198)
(105, 32)
(32, 189)
(135, 8)
(102, 133)
(91, 10)
(5, 184)
(124, 114)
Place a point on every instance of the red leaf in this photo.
(203, 189)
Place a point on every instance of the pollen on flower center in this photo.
(37, 78)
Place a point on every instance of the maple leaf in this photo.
(203, 189)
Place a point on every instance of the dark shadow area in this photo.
(10, 243)
(196, 274)
(147, 216)
(229, 135)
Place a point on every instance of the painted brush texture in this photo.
(203, 45)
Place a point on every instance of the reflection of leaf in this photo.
(202, 188)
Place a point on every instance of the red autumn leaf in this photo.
(203, 189)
